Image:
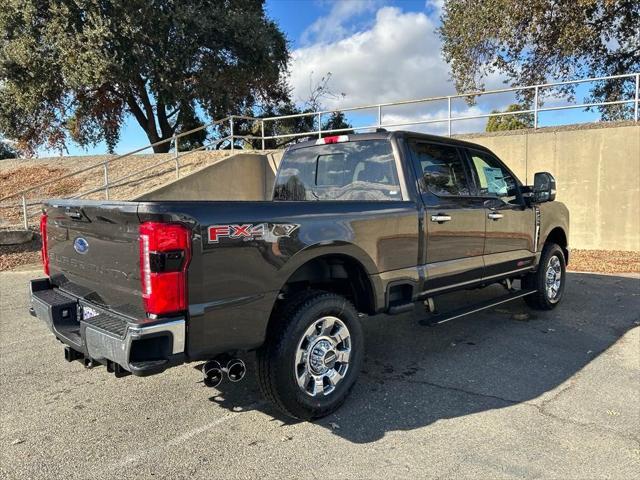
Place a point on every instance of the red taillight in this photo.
(44, 251)
(165, 251)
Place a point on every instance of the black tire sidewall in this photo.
(298, 402)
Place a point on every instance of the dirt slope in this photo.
(17, 175)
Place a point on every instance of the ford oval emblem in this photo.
(80, 245)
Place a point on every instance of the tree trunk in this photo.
(162, 148)
(146, 120)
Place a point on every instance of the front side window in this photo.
(362, 170)
(492, 178)
(440, 169)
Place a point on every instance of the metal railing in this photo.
(449, 119)
(316, 121)
(25, 203)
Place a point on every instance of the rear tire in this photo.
(312, 355)
(548, 281)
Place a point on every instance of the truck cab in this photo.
(476, 222)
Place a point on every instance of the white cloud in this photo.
(439, 127)
(338, 23)
(397, 58)
(435, 5)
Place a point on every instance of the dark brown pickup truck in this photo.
(358, 225)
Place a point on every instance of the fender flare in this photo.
(322, 249)
(337, 248)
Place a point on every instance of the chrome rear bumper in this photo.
(108, 337)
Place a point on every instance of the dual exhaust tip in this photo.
(214, 372)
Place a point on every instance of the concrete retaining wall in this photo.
(597, 170)
(245, 176)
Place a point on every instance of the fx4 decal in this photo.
(250, 231)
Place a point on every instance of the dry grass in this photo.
(20, 174)
(14, 256)
(14, 180)
(604, 261)
(17, 179)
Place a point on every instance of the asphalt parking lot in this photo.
(493, 395)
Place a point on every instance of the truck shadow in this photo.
(414, 376)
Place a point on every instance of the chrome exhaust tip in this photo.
(236, 370)
(212, 371)
(90, 363)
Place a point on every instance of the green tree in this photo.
(75, 68)
(538, 40)
(516, 121)
(336, 121)
(191, 121)
(318, 93)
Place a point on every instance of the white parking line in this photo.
(128, 460)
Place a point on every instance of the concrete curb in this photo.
(15, 237)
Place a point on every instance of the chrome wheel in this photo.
(553, 278)
(322, 356)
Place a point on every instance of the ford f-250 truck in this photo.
(359, 224)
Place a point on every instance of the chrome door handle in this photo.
(440, 218)
(495, 216)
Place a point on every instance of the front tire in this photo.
(548, 281)
(312, 355)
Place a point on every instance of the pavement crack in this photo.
(447, 387)
(546, 413)
(567, 388)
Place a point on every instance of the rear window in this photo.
(363, 170)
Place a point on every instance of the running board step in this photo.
(441, 318)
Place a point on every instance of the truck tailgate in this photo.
(94, 252)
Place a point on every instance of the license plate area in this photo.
(105, 320)
(88, 312)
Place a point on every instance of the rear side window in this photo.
(441, 169)
(363, 170)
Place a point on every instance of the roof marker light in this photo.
(334, 139)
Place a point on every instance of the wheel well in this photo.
(558, 237)
(339, 274)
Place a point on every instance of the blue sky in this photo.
(377, 51)
(296, 17)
